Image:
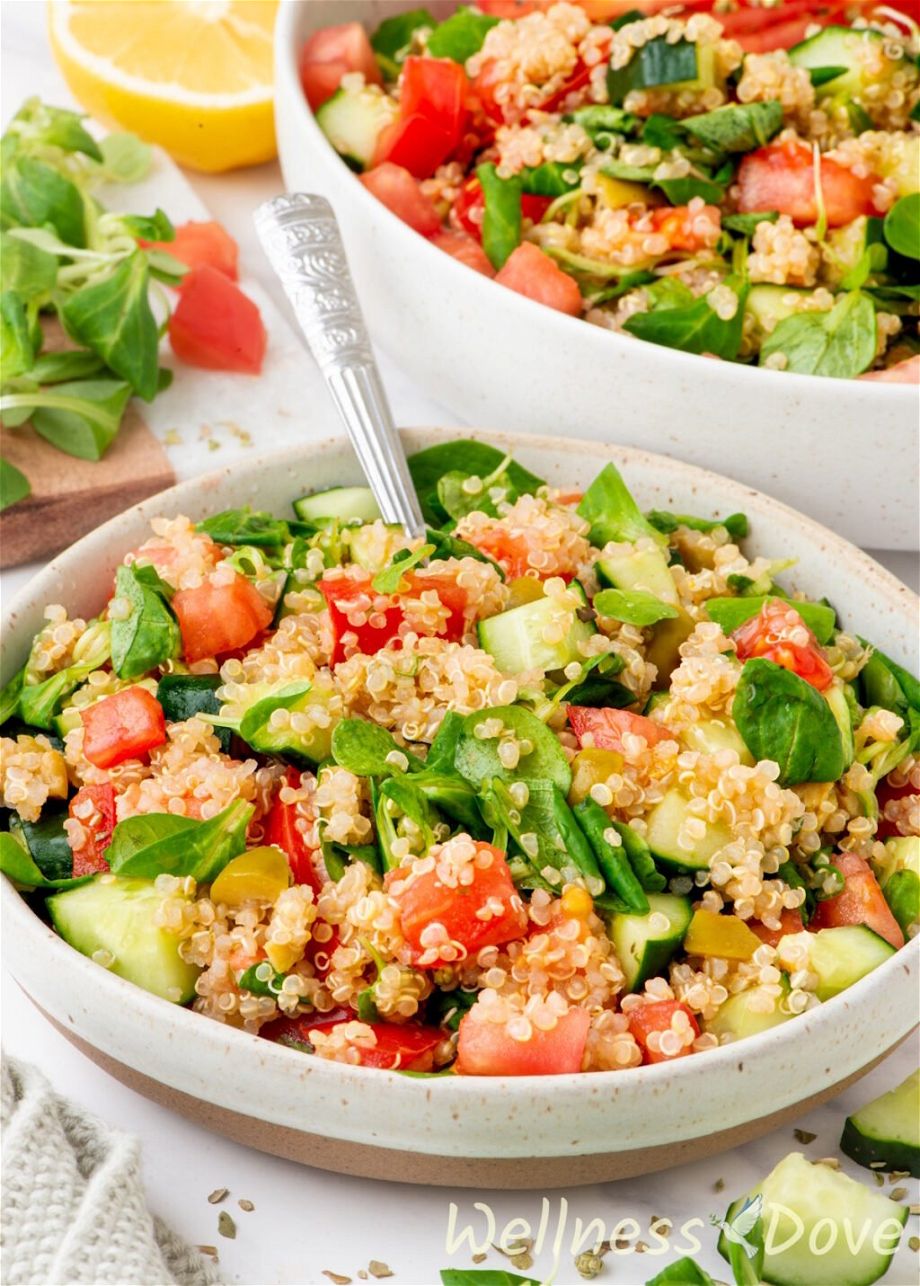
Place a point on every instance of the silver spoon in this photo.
(303, 242)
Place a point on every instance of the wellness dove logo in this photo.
(736, 1229)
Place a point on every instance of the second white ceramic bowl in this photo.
(843, 451)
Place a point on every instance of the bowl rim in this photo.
(567, 1088)
(290, 96)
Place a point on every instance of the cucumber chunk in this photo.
(712, 735)
(116, 916)
(645, 569)
(183, 696)
(887, 1129)
(821, 1228)
(525, 638)
(663, 828)
(352, 121)
(372, 546)
(348, 504)
(747, 1013)
(643, 951)
(840, 47)
(842, 955)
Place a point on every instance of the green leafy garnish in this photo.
(730, 613)
(392, 579)
(840, 342)
(747, 223)
(461, 35)
(17, 862)
(151, 844)
(113, 317)
(635, 607)
(392, 39)
(149, 636)
(783, 718)
(902, 226)
(693, 326)
(464, 455)
(14, 485)
(662, 520)
(501, 220)
(81, 417)
(737, 127)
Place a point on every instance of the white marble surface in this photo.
(306, 1221)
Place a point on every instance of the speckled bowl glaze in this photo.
(843, 451)
(501, 1132)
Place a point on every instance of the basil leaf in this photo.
(151, 844)
(125, 158)
(246, 527)
(17, 862)
(735, 524)
(609, 507)
(113, 317)
(14, 485)
(737, 127)
(731, 613)
(840, 343)
(363, 747)
(461, 35)
(26, 269)
(747, 223)
(635, 607)
(390, 579)
(150, 635)
(80, 417)
(501, 220)
(694, 328)
(475, 459)
(392, 39)
(784, 719)
(33, 195)
(658, 62)
(902, 226)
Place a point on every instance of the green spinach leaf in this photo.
(501, 220)
(737, 127)
(662, 520)
(541, 757)
(461, 35)
(902, 226)
(14, 485)
(33, 195)
(784, 719)
(113, 317)
(149, 636)
(840, 343)
(694, 327)
(635, 607)
(363, 748)
(746, 224)
(731, 613)
(392, 39)
(464, 455)
(151, 844)
(612, 512)
(246, 527)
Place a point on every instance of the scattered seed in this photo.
(877, 1165)
(804, 1136)
(914, 1210)
(377, 1268)
(897, 1175)
(362, 1273)
(719, 1185)
(225, 1225)
(218, 1195)
(338, 1279)
(879, 1180)
(521, 1247)
(588, 1265)
(641, 1247)
(832, 1163)
(523, 1261)
(210, 1251)
(480, 1258)
(898, 1194)
(914, 1243)
(660, 1225)
(245, 1205)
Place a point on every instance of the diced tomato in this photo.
(486, 1049)
(94, 808)
(532, 273)
(346, 595)
(281, 828)
(776, 633)
(906, 372)
(215, 619)
(331, 53)
(656, 1017)
(886, 793)
(424, 900)
(216, 326)
(461, 246)
(123, 726)
(432, 117)
(790, 921)
(603, 728)
(781, 177)
(861, 902)
(207, 242)
(407, 1046)
(686, 229)
(394, 187)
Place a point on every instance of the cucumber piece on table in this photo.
(116, 916)
(348, 504)
(860, 1226)
(662, 834)
(887, 1129)
(642, 950)
(524, 638)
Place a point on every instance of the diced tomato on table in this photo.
(199, 243)
(861, 902)
(215, 325)
(125, 725)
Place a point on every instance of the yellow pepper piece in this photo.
(711, 934)
(615, 193)
(282, 956)
(664, 649)
(261, 873)
(525, 589)
(591, 768)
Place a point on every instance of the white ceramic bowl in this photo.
(844, 452)
(533, 1132)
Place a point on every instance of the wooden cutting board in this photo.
(201, 421)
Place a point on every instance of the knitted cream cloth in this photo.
(73, 1207)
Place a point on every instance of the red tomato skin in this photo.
(414, 143)
(215, 326)
(462, 247)
(656, 1016)
(281, 829)
(885, 794)
(123, 726)
(424, 900)
(89, 858)
(198, 243)
(680, 225)
(780, 177)
(607, 726)
(339, 591)
(861, 902)
(398, 190)
(485, 1049)
(407, 1046)
(767, 635)
(329, 54)
(906, 372)
(790, 922)
(530, 272)
(215, 619)
(432, 118)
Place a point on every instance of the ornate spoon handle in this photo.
(301, 237)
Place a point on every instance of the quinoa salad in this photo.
(736, 179)
(560, 786)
